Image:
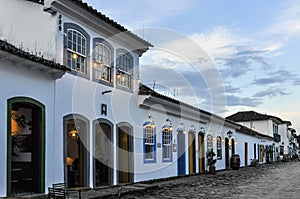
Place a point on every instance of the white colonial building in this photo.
(75, 111)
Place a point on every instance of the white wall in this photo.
(19, 81)
(25, 24)
(283, 130)
(261, 126)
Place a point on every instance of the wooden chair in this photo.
(57, 191)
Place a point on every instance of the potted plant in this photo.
(211, 161)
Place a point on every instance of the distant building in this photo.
(268, 125)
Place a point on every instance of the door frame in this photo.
(181, 153)
(246, 154)
(10, 102)
(86, 162)
(192, 152)
(131, 149)
(227, 153)
(110, 169)
(201, 152)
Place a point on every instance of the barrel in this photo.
(235, 161)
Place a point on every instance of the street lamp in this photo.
(229, 133)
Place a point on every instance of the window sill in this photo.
(110, 84)
(124, 88)
(79, 74)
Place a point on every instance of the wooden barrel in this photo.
(235, 161)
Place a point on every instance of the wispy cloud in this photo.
(232, 100)
(136, 14)
(281, 76)
(271, 92)
(287, 23)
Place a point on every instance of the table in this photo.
(79, 189)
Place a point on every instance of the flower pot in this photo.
(212, 169)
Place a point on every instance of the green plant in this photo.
(210, 158)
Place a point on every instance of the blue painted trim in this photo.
(166, 126)
(181, 167)
(147, 123)
(123, 51)
(171, 147)
(180, 129)
(144, 145)
(101, 40)
(81, 30)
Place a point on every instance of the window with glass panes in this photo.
(102, 62)
(209, 142)
(76, 51)
(219, 147)
(167, 141)
(149, 142)
(124, 73)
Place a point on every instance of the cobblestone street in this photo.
(277, 180)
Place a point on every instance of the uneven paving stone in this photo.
(276, 180)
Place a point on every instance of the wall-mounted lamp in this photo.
(193, 128)
(202, 130)
(229, 133)
(73, 134)
(169, 123)
(151, 119)
(182, 127)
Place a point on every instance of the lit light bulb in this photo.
(74, 56)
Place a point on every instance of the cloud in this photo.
(231, 89)
(232, 100)
(138, 14)
(270, 93)
(287, 23)
(280, 76)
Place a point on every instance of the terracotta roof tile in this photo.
(253, 116)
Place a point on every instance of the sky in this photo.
(220, 56)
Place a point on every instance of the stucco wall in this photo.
(24, 24)
(19, 81)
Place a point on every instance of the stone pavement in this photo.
(276, 180)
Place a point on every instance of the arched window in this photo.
(77, 45)
(209, 142)
(103, 56)
(124, 69)
(219, 147)
(149, 142)
(76, 50)
(167, 143)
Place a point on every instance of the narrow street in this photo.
(277, 180)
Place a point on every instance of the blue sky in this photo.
(222, 56)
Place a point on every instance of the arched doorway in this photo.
(125, 153)
(76, 135)
(181, 153)
(192, 152)
(103, 156)
(226, 153)
(26, 146)
(201, 152)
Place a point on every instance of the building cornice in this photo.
(96, 21)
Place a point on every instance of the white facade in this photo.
(109, 118)
(21, 78)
